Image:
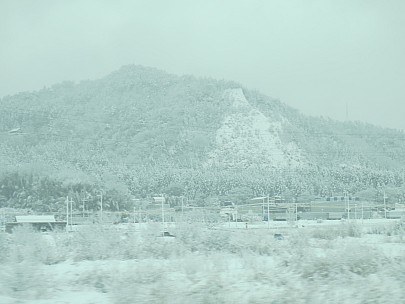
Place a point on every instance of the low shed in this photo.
(35, 219)
(37, 222)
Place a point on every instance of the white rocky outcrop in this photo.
(248, 138)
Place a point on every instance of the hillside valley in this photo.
(140, 132)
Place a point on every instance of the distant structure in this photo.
(37, 222)
(15, 131)
(159, 199)
(347, 112)
(228, 210)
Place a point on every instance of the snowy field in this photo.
(315, 262)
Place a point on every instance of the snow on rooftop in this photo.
(35, 219)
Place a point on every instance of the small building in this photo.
(158, 199)
(395, 214)
(335, 215)
(37, 222)
(228, 210)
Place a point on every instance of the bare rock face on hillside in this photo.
(247, 138)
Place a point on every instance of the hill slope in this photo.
(143, 131)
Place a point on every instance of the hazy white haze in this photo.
(202, 151)
(342, 59)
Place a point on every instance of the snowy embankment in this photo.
(341, 263)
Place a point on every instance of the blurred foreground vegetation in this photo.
(346, 263)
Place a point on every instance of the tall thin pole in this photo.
(263, 208)
(71, 214)
(346, 208)
(268, 211)
(101, 206)
(134, 200)
(163, 215)
(84, 200)
(296, 212)
(236, 217)
(385, 207)
(139, 216)
(67, 213)
(182, 208)
(84, 204)
(347, 112)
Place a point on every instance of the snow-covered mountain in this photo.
(141, 130)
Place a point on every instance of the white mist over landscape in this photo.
(340, 59)
(180, 152)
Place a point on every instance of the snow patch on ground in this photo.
(247, 138)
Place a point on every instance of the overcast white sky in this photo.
(315, 55)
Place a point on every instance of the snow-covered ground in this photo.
(316, 262)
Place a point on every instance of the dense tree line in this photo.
(203, 187)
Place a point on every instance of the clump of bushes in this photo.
(351, 229)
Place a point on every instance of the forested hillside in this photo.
(140, 132)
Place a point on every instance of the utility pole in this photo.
(101, 205)
(83, 202)
(163, 215)
(83, 199)
(347, 112)
(67, 213)
(134, 200)
(236, 217)
(139, 216)
(182, 208)
(71, 214)
(296, 212)
(268, 211)
(263, 207)
(385, 207)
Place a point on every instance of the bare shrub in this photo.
(28, 245)
(96, 242)
(341, 260)
(203, 265)
(138, 284)
(347, 229)
(327, 234)
(24, 280)
(4, 246)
